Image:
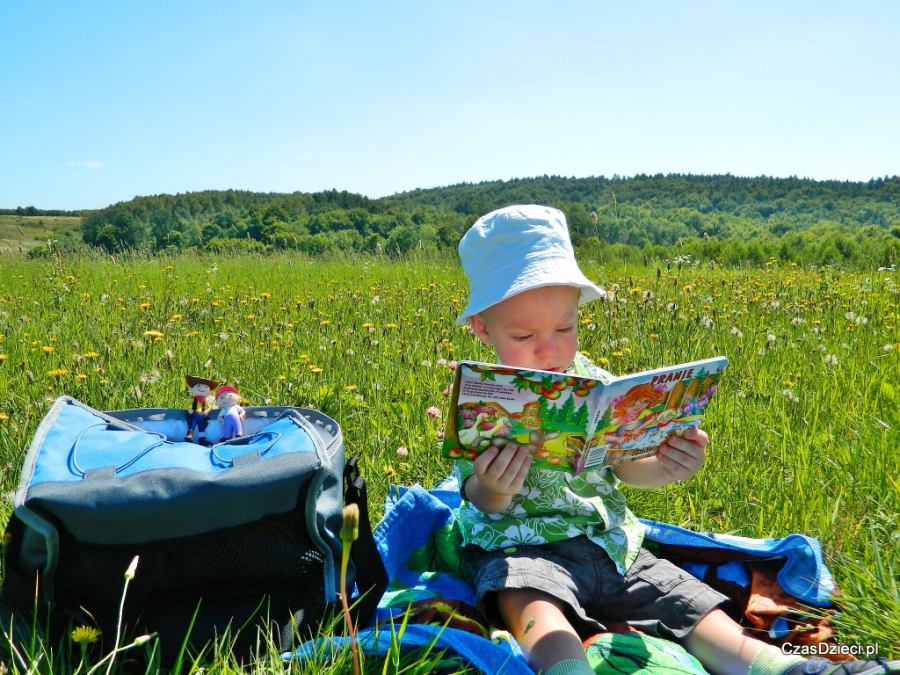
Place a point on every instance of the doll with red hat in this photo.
(232, 416)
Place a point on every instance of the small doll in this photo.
(228, 398)
(199, 389)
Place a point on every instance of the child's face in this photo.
(534, 329)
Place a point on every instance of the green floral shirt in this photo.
(555, 505)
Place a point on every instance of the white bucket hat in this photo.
(518, 248)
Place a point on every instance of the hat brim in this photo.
(537, 275)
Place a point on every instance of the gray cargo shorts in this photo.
(655, 596)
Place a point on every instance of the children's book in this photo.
(574, 423)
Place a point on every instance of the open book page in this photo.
(639, 412)
(570, 422)
(549, 413)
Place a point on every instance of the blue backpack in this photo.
(241, 534)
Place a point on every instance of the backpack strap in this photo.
(371, 575)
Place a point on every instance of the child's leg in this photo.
(720, 644)
(537, 622)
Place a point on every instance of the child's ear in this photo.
(480, 329)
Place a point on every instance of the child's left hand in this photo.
(682, 456)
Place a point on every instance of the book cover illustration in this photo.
(570, 422)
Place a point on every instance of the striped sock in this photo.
(570, 667)
(772, 661)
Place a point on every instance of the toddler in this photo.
(553, 556)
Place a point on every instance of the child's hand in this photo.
(503, 471)
(679, 457)
(499, 474)
(682, 456)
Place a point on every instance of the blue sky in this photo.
(104, 101)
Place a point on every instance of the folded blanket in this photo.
(771, 582)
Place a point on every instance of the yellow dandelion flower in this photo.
(193, 333)
(85, 635)
(368, 325)
(48, 350)
(350, 387)
(176, 317)
(281, 378)
(145, 305)
(104, 381)
(389, 471)
(603, 361)
(391, 325)
(265, 296)
(4, 357)
(57, 372)
(154, 334)
(325, 322)
(654, 336)
(81, 376)
(316, 369)
(617, 353)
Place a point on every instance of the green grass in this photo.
(22, 233)
(804, 427)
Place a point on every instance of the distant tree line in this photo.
(34, 211)
(722, 218)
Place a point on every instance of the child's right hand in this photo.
(499, 474)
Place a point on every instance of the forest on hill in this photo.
(728, 219)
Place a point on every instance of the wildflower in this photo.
(770, 338)
(389, 471)
(3, 417)
(155, 334)
(315, 369)
(790, 396)
(350, 387)
(324, 323)
(391, 325)
(85, 635)
(440, 434)
(831, 360)
(375, 300)
(48, 350)
(402, 451)
(81, 376)
(654, 336)
(4, 357)
(736, 332)
(452, 365)
(433, 411)
(132, 568)
(887, 348)
(145, 305)
(57, 372)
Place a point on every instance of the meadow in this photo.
(23, 233)
(805, 426)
